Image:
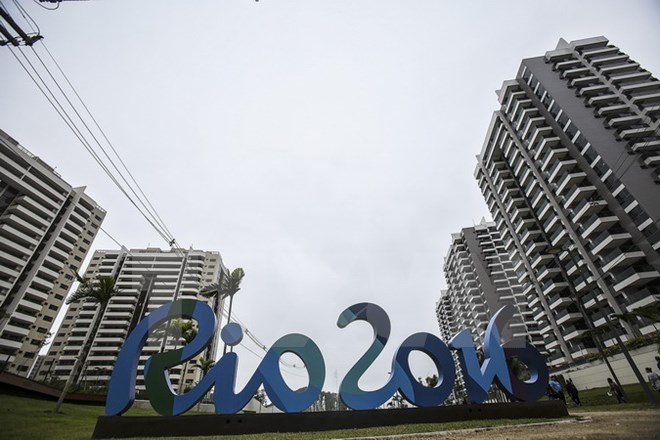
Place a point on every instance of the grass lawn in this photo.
(597, 399)
(29, 418)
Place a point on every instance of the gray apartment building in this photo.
(145, 279)
(480, 280)
(46, 229)
(570, 172)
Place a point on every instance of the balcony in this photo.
(564, 65)
(632, 278)
(548, 272)
(636, 133)
(568, 317)
(557, 301)
(554, 286)
(614, 70)
(573, 332)
(619, 258)
(561, 167)
(590, 53)
(570, 180)
(652, 161)
(575, 72)
(597, 224)
(554, 155)
(593, 90)
(577, 194)
(648, 86)
(541, 259)
(585, 81)
(587, 207)
(601, 100)
(613, 110)
(535, 247)
(616, 59)
(608, 240)
(624, 121)
(547, 142)
(13, 234)
(641, 99)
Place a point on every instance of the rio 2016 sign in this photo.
(478, 378)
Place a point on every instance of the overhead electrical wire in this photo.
(138, 198)
(147, 210)
(48, 9)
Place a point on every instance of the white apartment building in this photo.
(569, 170)
(46, 229)
(145, 279)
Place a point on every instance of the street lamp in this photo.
(555, 251)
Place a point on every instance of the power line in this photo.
(167, 237)
(155, 213)
(48, 9)
(146, 209)
(62, 112)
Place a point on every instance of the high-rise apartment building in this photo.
(145, 279)
(480, 280)
(570, 172)
(46, 229)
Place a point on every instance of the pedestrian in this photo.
(616, 391)
(555, 389)
(654, 379)
(572, 391)
(657, 362)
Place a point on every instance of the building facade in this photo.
(570, 172)
(46, 229)
(145, 279)
(481, 280)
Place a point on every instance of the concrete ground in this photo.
(596, 425)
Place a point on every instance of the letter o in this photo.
(413, 391)
(276, 388)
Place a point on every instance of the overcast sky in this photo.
(325, 146)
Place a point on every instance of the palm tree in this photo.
(99, 290)
(204, 364)
(650, 312)
(227, 287)
(183, 329)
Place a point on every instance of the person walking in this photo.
(616, 391)
(654, 379)
(555, 388)
(572, 391)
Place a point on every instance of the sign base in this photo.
(237, 424)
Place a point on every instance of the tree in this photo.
(649, 311)
(431, 381)
(99, 290)
(518, 369)
(183, 329)
(227, 287)
(204, 364)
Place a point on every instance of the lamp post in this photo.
(649, 394)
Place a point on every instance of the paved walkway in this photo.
(597, 425)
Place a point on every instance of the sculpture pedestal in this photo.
(236, 424)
